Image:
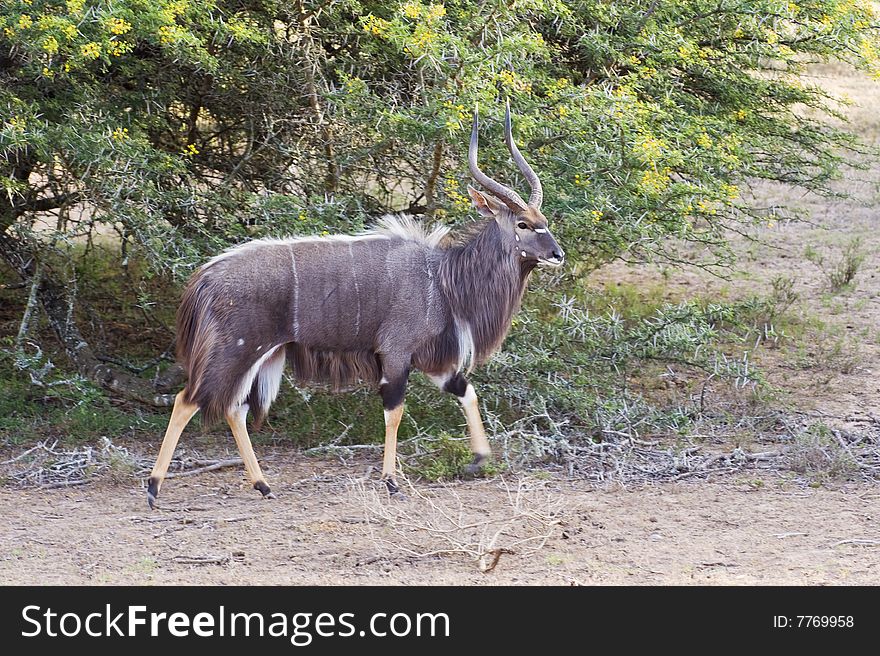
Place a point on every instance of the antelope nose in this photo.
(559, 254)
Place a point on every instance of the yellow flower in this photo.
(50, 45)
(118, 48)
(24, 22)
(120, 134)
(704, 141)
(510, 79)
(654, 181)
(69, 31)
(47, 72)
(648, 148)
(435, 12)
(168, 34)
(375, 26)
(118, 26)
(190, 150)
(75, 6)
(707, 207)
(423, 38)
(17, 123)
(91, 50)
(412, 10)
(596, 215)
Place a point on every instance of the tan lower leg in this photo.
(236, 420)
(392, 421)
(479, 443)
(180, 416)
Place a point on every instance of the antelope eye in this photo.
(522, 225)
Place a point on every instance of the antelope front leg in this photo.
(180, 416)
(236, 419)
(393, 390)
(457, 384)
(389, 460)
(479, 443)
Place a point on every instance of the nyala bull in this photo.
(368, 308)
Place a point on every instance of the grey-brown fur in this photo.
(343, 311)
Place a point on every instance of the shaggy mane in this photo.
(406, 227)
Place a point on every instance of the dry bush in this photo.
(840, 272)
(436, 521)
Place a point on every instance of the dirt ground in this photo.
(321, 530)
(330, 527)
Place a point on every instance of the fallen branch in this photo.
(856, 541)
(232, 462)
(201, 560)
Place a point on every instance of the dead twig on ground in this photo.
(49, 465)
(221, 464)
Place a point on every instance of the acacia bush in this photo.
(167, 130)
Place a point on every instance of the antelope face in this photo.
(524, 228)
(534, 240)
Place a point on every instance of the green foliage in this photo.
(185, 126)
(842, 271)
(69, 409)
(444, 459)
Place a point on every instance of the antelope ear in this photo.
(486, 205)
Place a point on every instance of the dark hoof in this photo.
(475, 469)
(394, 489)
(264, 490)
(152, 492)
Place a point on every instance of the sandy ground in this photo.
(325, 528)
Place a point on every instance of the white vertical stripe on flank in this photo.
(357, 293)
(295, 295)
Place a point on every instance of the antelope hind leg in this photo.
(236, 419)
(180, 416)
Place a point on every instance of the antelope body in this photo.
(366, 308)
